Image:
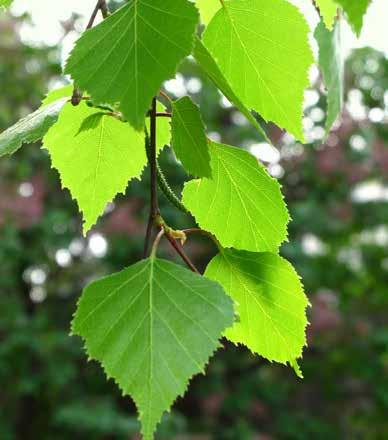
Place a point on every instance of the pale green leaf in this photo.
(271, 304)
(331, 63)
(241, 204)
(207, 9)
(328, 11)
(96, 163)
(5, 3)
(189, 139)
(152, 326)
(61, 92)
(127, 57)
(262, 48)
(355, 11)
(163, 128)
(209, 66)
(31, 128)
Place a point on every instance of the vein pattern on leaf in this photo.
(241, 204)
(209, 66)
(31, 128)
(261, 46)
(152, 326)
(189, 139)
(140, 46)
(270, 302)
(331, 63)
(96, 158)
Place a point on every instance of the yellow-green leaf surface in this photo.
(153, 326)
(262, 48)
(127, 57)
(328, 11)
(5, 3)
(271, 304)
(61, 92)
(163, 128)
(355, 11)
(241, 204)
(331, 63)
(207, 9)
(189, 139)
(209, 66)
(95, 159)
(31, 128)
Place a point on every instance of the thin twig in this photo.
(165, 95)
(154, 208)
(100, 6)
(76, 98)
(179, 249)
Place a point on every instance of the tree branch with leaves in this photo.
(155, 324)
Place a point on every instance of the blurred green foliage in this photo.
(338, 242)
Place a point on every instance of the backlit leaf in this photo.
(328, 11)
(262, 48)
(209, 66)
(95, 159)
(152, 326)
(271, 304)
(207, 9)
(241, 204)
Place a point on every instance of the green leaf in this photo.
(95, 159)
(61, 92)
(207, 9)
(5, 3)
(163, 129)
(328, 11)
(152, 326)
(189, 139)
(241, 205)
(331, 63)
(209, 66)
(271, 303)
(355, 11)
(127, 57)
(262, 48)
(31, 128)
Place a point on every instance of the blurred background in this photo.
(337, 193)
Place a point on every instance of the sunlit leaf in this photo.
(328, 11)
(241, 204)
(271, 304)
(209, 66)
(96, 158)
(262, 48)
